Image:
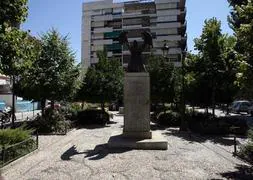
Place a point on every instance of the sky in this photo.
(66, 15)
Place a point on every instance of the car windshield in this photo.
(235, 104)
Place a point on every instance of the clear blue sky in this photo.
(65, 16)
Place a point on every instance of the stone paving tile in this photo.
(83, 154)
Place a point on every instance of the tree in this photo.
(15, 48)
(162, 80)
(197, 88)
(12, 13)
(18, 51)
(103, 82)
(210, 49)
(54, 74)
(228, 88)
(241, 22)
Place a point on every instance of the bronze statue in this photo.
(136, 62)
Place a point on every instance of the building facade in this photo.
(104, 20)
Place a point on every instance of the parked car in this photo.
(240, 106)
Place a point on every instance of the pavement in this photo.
(83, 154)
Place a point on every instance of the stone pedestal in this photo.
(136, 132)
(137, 105)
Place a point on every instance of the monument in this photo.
(136, 132)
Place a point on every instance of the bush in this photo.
(246, 151)
(207, 124)
(92, 116)
(169, 118)
(16, 142)
(13, 136)
(53, 121)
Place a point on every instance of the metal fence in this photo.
(13, 152)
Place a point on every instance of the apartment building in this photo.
(104, 20)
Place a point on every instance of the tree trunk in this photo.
(103, 106)
(43, 105)
(213, 101)
(227, 110)
(207, 110)
(82, 105)
(52, 104)
(13, 109)
(184, 124)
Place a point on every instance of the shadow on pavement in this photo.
(241, 172)
(189, 136)
(69, 153)
(99, 152)
(94, 126)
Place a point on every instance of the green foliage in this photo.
(93, 116)
(162, 78)
(246, 151)
(169, 118)
(13, 12)
(52, 122)
(13, 136)
(54, 74)
(205, 71)
(18, 50)
(103, 82)
(241, 22)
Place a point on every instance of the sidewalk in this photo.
(83, 154)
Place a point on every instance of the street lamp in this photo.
(165, 50)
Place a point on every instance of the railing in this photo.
(11, 153)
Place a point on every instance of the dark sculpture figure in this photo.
(136, 62)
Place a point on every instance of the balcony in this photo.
(112, 35)
(113, 47)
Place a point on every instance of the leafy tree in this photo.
(54, 74)
(12, 13)
(103, 82)
(228, 88)
(17, 52)
(162, 80)
(241, 22)
(210, 49)
(197, 89)
(16, 48)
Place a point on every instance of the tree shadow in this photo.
(242, 172)
(66, 156)
(102, 150)
(94, 126)
(193, 137)
(99, 152)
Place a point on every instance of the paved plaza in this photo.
(83, 154)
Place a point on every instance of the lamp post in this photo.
(165, 50)
(183, 126)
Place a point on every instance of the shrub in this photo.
(246, 151)
(13, 136)
(169, 118)
(207, 124)
(17, 142)
(52, 121)
(93, 116)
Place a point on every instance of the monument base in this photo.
(119, 140)
(138, 135)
